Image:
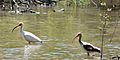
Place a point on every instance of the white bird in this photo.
(87, 46)
(27, 35)
(61, 10)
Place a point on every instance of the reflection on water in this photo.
(29, 50)
(58, 29)
(12, 53)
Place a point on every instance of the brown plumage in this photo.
(87, 46)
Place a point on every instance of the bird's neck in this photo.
(80, 39)
(21, 28)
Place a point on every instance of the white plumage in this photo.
(31, 37)
(87, 46)
(28, 36)
(85, 43)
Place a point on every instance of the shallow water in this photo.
(58, 29)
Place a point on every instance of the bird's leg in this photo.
(41, 42)
(29, 42)
(88, 54)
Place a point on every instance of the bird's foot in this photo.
(29, 43)
(88, 54)
(93, 55)
(39, 43)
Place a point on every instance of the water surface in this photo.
(59, 28)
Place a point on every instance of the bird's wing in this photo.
(31, 37)
(88, 47)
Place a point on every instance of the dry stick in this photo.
(104, 25)
(114, 33)
(114, 30)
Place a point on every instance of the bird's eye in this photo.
(20, 24)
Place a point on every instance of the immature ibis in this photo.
(29, 37)
(87, 46)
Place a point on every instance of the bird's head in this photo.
(19, 24)
(77, 35)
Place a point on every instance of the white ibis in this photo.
(87, 46)
(27, 35)
(60, 10)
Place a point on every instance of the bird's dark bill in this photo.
(14, 28)
(75, 38)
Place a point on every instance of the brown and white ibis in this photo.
(27, 35)
(87, 46)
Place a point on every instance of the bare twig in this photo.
(102, 44)
(116, 24)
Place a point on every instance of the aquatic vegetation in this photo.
(106, 26)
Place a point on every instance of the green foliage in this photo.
(105, 21)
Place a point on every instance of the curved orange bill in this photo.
(75, 38)
(15, 27)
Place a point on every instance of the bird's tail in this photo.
(98, 50)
